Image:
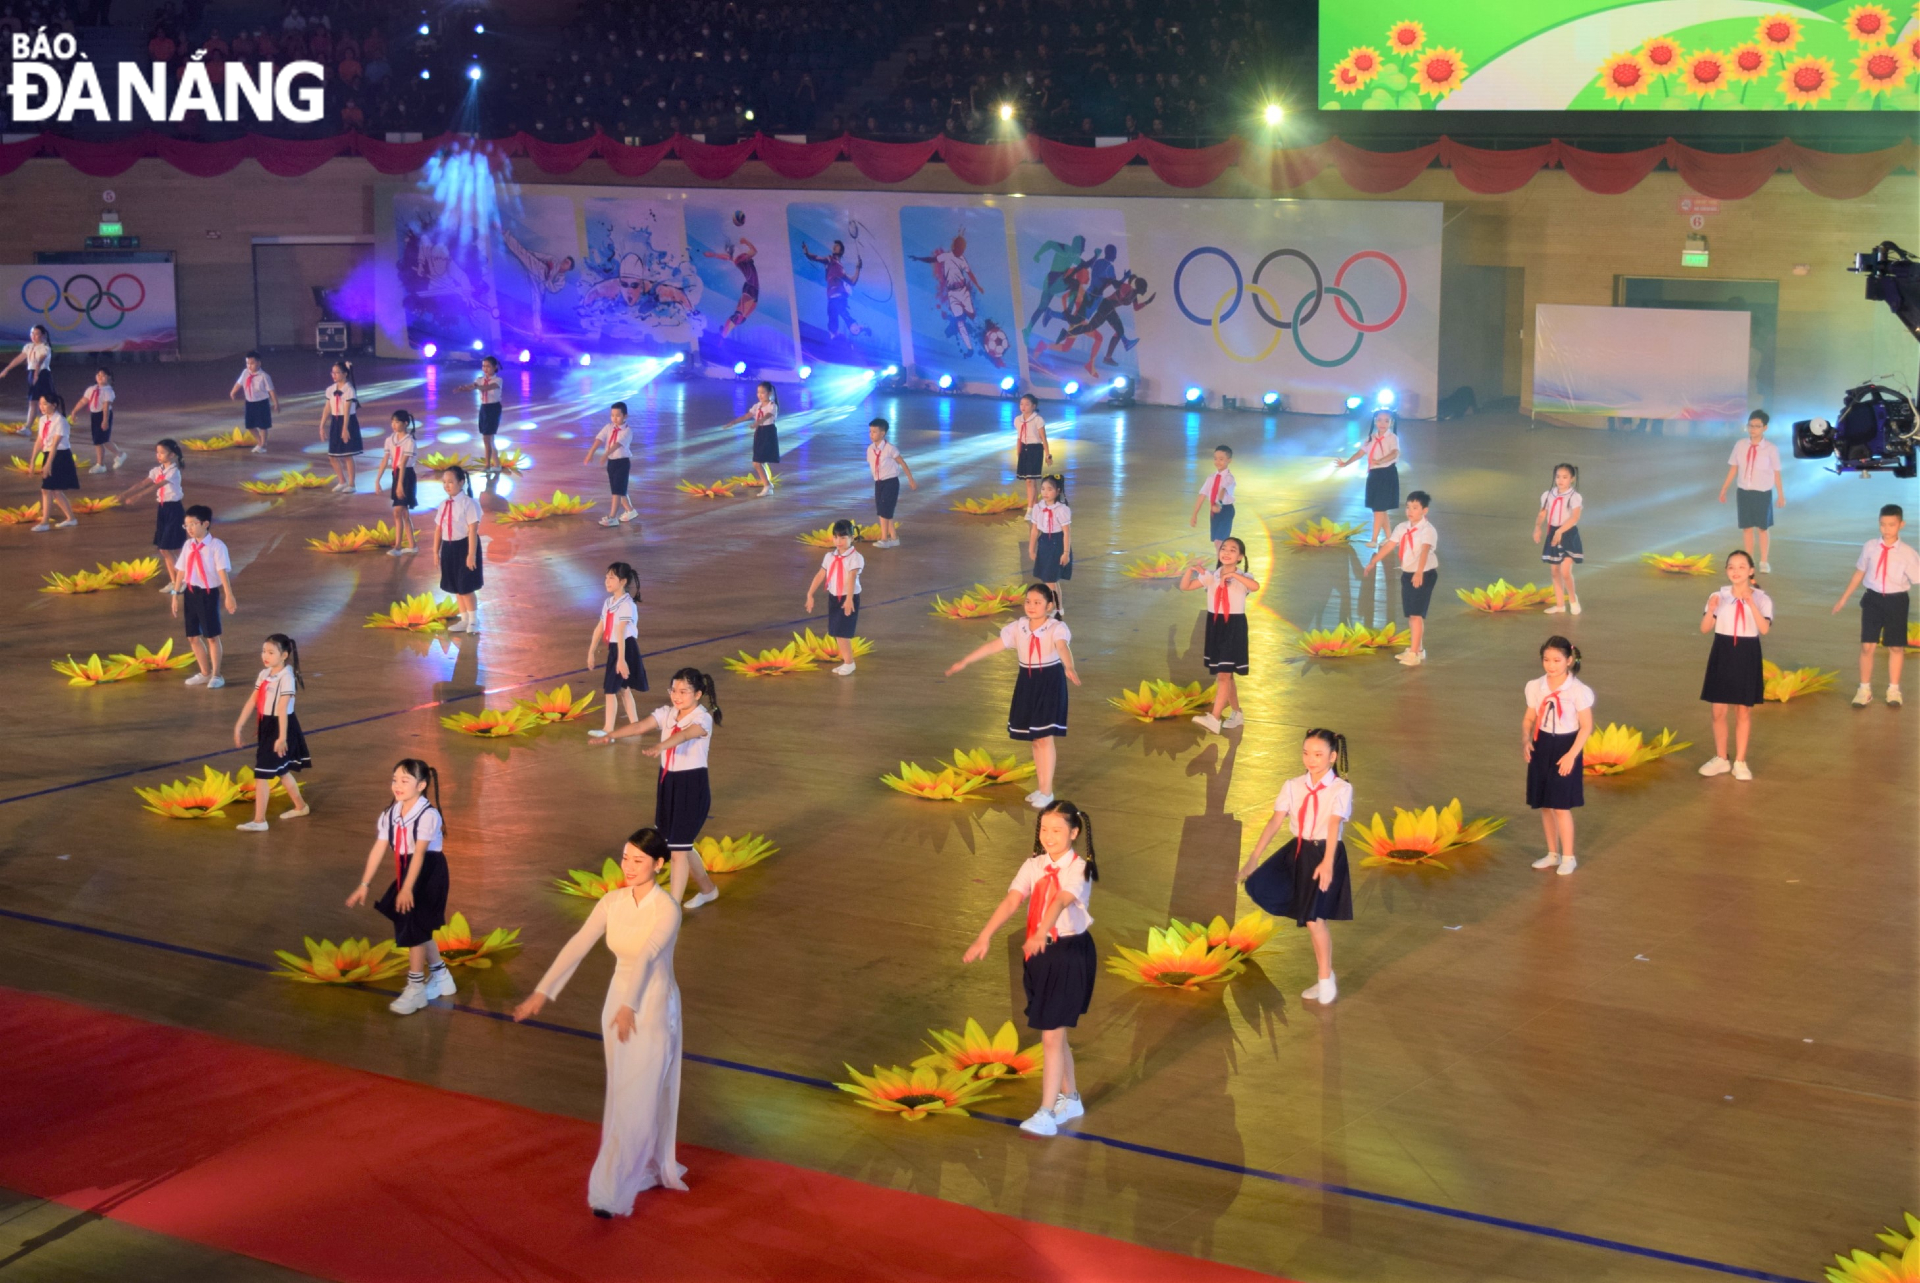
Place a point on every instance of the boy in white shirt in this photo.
(1417, 544)
(204, 587)
(1755, 463)
(1888, 568)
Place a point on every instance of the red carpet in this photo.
(359, 1177)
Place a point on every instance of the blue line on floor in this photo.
(1150, 1151)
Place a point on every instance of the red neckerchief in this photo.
(246, 384)
(837, 573)
(1218, 477)
(1308, 811)
(260, 695)
(1222, 596)
(609, 622)
(49, 433)
(1886, 550)
(1374, 451)
(1033, 646)
(1739, 617)
(1753, 451)
(485, 384)
(396, 451)
(666, 759)
(445, 521)
(1046, 518)
(1020, 425)
(337, 398)
(402, 846)
(1551, 697)
(196, 563)
(1555, 504)
(1405, 541)
(1041, 897)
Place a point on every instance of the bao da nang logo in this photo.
(40, 90)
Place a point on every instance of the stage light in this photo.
(479, 28)
(1353, 402)
(1270, 400)
(868, 376)
(525, 356)
(1273, 113)
(1072, 386)
(890, 371)
(1384, 398)
(478, 345)
(430, 350)
(945, 381)
(424, 29)
(1119, 383)
(1006, 383)
(749, 114)
(425, 74)
(806, 371)
(473, 72)
(676, 358)
(1006, 111)
(586, 358)
(739, 367)
(1196, 396)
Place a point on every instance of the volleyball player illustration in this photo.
(741, 256)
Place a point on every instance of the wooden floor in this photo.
(1697, 1055)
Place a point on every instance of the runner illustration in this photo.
(741, 256)
(1063, 280)
(1129, 292)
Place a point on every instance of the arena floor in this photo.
(1695, 1056)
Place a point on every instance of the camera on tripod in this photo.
(1876, 430)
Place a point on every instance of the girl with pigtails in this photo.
(416, 901)
(1306, 879)
(682, 795)
(280, 748)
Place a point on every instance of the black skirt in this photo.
(170, 526)
(1734, 673)
(1415, 601)
(404, 489)
(1284, 884)
(1032, 462)
(1547, 789)
(429, 912)
(1226, 647)
(38, 385)
(1039, 707)
(839, 622)
(343, 438)
(489, 419)
(886, 498)
(766, 443)
(1569, 549)
(681, 802)
(1059, 982)
(259, 416)
(100, 426)
(455, 577)
(1383, 488)
(268, 762)
(1048, 567)
(61, 475)
(612, 683)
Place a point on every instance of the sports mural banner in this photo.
(1606, 55)
(1314, 300)
(91, 307)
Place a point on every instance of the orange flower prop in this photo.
(232, 440)
(13, 429)
(1010, 595)
(982, 764)
(567, 505)
(1880, 69)
(96, 505)
(556, 705)
(1384, 636)
(1869, 24)
(1419, 837)
(826, 650)
(718, 490)
(493, 723)
(137, 571)
(1157, 700)
(356, 540)
(518, 514)
(1662, 54)
(1405, 37)
(966, 606)
(747, 479)
(154, 661)
(1913, 636)
(1346, 79)
(1247, 933)
(1324, 533)
(94, 671)
(276, 784)
(282, 484)
(193, 798)
(380, 535)
(823, 537)
(1748, 62)
(1806, 81)
(1704, 72)
(1620, 748)
(349, 962)
(730, 855)
(1336, 643)
(1679, 563)
(1624, 77)
(459, 948)
(513, 460)
(773, 663)
(304, 480)
(1779, 32)
(592, 886)
(1501, 597)
(1783, 684)
(1166, 566)
(971, 1051)
(1005, 501)
(1173, 960)
(1438, 72)
(26, 512)
(421, 613)
(947, 785)
(915, 1093)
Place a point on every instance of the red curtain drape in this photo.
(1727, 176)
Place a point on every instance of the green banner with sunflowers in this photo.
(1587, 55)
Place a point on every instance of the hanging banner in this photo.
(1639, 362)
(104, 307)
(1079, 295)
(737, 243)
(959, 292)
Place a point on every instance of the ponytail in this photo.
(424, 773)
(466, 486)
(1565, 647)
(172, 447)
(703, 688)
(628, 576)
(1573, 470)
(1082, 824)
(408, 424)
(291, 649)
(1059, 484)
(1337, 742)
(1046, 590)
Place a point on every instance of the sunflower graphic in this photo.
(1747, 62)
(1880, 68)
(1406, 37)
(1438, 72)
(1365, 60)
(1624, 77)
(1663, 56)
(1806, 81)
(1869, 23)
(1345, 79)
(1703, 73)
(1911, 51)
(1779, 32)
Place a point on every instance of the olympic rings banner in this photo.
(1314, 300)
(91, 307)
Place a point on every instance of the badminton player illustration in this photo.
(840, 283)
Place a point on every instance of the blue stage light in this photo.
(1385, 398)
(525, 356)
(945, 381)
(1006, 383)
(479, 28)
(478, 345)
(1119, 383)
(1195, 396)
(739, 367)
(1353, 403)
(1073, 386)
(586, 358)
(890, 371)
(1270, 399)
(424, 30)
(868, 376)
(676, 358)
(425, 74)
(806, 371)
(430, 350)
(473, 72)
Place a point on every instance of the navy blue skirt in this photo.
(1048, 567)
(839, 622)
(170, 526)
(1547, 789)
(612, 683)
(455, 576)
(343, 436)
(1032, 462)
(681, 801)
(1226, 644)
(429, 912)
(294, 760)
(1284, 884)
(1569, 549)
(1735, 674)
(489, 419)
(766, 444)
(1039, 707)
(1059, 982)
(100, 426)
(1383, 488)
(404, 489)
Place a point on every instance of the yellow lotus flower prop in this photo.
(562, 504)
(94, 670)
(520, 514)
(96, 505)
(1157, 700)
(1244, 935)
(915, 1093)
(250, 784)
(1783, 684)
(421, 613)
(1501, 597)
(305, 480)
(730, 854)
(773, 663)
(282, 484)
(1174, 960)
(26, 512)
(349, 962)
(137, 571)
(945, 785)
(1900, 1265)
(84, 581)
(191, 798)
(982, 764)
(1418, 837)
(826, 650)
(230, 441)
(1339, 643)
(19, 463)
(718, 490)
(1679, 563)
(513, 461)
(1005, 501)
(13, 429)
(971, 1051)
(589, 885)
(556, 705)
(438, 461)
(966, 606)
(823, 537)
(1913, 636)
(460, 948)
(355, 540)
(748, 479)
(1010, 595)
(1620, 748)
(1324, 533)
(493, 723)
(1165, 566)
(155, 661)
(1387, 635)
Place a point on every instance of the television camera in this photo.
(1876, 429)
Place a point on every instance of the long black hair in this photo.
(702, 684)
(1045, 590)
(1573, 470)
(408, 424)
(1567, 648)
(1335, 741)
(1076, 819)
(845, 527)
(424, 773)
(291, 649)
(173, 448)
(651, 843)
(466, 486)
(58, 402)
(628, 576)
(1059, 483)
(1245, 566)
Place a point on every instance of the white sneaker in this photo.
(1041, 1124)
(1041, 801)
(63, 525)
(1029, 797)
(766, 492)
(1067, 1108)
(1741, 771)
(1893, 696)
(609, 521)
(1554, 610)
(1321, 991)
(631, 514)
(705, 897)
(1547, 861)
(97, 470)
(596, 734)
(396, 552)
(259, 449)
(1716, 766)
(440, 983)
(1209, 721)
(1567, 865)
(411, 999)
(1766, 567)
(1233, 719)
(457, 626)
(119, 456)
(335, 487)
(1574, 608)
(251, 826)
(215, 682)
(1861, 697)
(198, 679)
(843, 670)
(1412, 658)
(45, 525)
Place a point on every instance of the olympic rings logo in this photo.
(1303, 311)
(86, 310)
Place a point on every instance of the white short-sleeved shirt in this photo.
(1383, 448)
(1036, 647)
(1560, 507)
(1218, 488)
(52, 433)
(255, 385)
(1307, 809)
(1889, 567)
(342, 401)
(617, 438)
(883, 460)
(400, 451)
(166, 483)
(687, 755)
(763, 413)
(1050, 518)
(619, 619)
(202, 560)
(1072, 877)
(1559, 710)
(487, 388)
(458, 515)
(97, 399)
(419, 825)
(1030, 429)
(843, 569)
(39, 357)
(1234, 592)
(269, 687)
(1735, 618)
(1407, 540)
(1758, 461)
